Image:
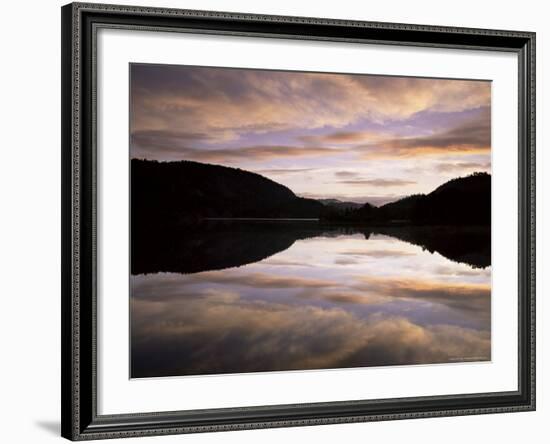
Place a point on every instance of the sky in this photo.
(353, 137)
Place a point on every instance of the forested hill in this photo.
(460, 201)
(186, 191)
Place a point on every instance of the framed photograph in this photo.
(281, 221)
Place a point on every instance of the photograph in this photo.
(297, 221)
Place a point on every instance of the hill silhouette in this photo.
(185, 192)
(460, 201)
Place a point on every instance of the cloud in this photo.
(285, 171)
(224, 104)
(345, 137)
(471, 137)
(463, 166)
(153, 145)
(379, 182)
(345, 261)
(167, 137)
(346, 174)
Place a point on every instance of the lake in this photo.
(239, 296)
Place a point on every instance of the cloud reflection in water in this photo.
(354, 303)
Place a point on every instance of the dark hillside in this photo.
(464, 200)
(180, 192)
(460, 201)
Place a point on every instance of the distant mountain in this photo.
(339, 203)
(460, 201)
(181, 192)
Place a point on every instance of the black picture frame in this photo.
(80, 419)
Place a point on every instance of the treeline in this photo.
(461, 201)
(184, 192)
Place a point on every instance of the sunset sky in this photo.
(362, 138)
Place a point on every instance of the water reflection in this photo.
(215, 245)
(331, 299)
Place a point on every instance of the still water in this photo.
(316, 299)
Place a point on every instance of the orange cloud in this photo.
(145, 143)
(345, 137)
(454, 167)
(472, 137)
